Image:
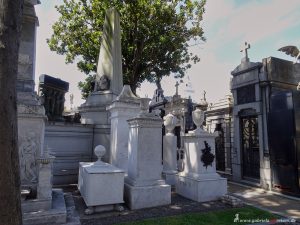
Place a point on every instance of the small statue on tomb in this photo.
(159, 92)
(102, 84)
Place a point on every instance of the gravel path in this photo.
(178, 206)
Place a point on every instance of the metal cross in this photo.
(176, 85)
(247, 46)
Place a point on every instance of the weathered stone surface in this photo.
(57, 215)
(110, 57)
(170, 159)
(139, 197)
(199, 180)
(126, 106)
(144, 185)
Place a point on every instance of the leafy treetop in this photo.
(155, 37)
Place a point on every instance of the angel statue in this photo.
(292, 51)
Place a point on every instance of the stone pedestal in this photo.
(31, 130)
(125, 107)
(144, 186)
(170, 150)
(93, 111)
(101, 185)
(170, 159)
(199, 180)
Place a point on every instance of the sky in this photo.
(266, 24)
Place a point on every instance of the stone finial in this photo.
(144, 105)
(170, 122)
(99, 152)
(198, 119)
(203, 104)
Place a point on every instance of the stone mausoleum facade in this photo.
(258, 139)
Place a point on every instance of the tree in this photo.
(10, 201)
(155, 36)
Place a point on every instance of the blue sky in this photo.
(266, 24)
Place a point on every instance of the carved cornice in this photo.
(146, 122)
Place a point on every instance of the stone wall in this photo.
(70, 144)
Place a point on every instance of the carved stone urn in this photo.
(170, 122)
(144, 105)
(99, 152)
(198, 119)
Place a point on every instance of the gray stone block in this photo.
(57, 215)
(145, 197)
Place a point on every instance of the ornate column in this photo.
(170, 150)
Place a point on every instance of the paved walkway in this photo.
(267, 200)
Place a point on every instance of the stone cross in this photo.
(204, 94)
(109, 68)
(245, 49)
(176, 85)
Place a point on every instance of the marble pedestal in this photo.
(139, 197)
(144, 186)
(101, 185)
(199, 180)
(170, 159)
(126, 106)
(93, 111)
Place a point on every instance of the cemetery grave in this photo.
(135, 158)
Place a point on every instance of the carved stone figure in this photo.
(102, 84)
(29, 149)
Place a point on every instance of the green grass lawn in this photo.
(225, 217)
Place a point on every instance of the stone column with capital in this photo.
(170, 150)
(144, 186)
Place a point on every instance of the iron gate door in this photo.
(250, 147)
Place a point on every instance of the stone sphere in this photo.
(100, 151)
(170, 122)
(198, 117)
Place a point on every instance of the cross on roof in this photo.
(245, 48)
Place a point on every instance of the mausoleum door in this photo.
(250, 147)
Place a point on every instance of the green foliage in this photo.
(155, 36)
(224, 217)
